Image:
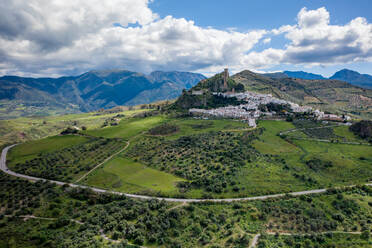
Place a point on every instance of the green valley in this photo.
(242, 170)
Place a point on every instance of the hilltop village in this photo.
(255, 105)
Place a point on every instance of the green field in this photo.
(189, 126)
(124, 175)
(278, 165)
(128, 128)
(33, 128)
(31, 149)
(217, 158)
(65, 158)
(270, 143)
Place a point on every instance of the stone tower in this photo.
(225, 77)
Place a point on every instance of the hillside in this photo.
(328, 95)
(349, 76)
(303, 75)
(353, 77)
(201, 95)
(293, 74)
(90, 91)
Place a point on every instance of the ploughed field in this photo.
(197, 158)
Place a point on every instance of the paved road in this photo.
(255, 241)
(5, 169)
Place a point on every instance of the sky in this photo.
(51, 38)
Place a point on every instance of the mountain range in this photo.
(90, 91)
(93, 90)
(352, 77)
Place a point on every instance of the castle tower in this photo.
(225, 77)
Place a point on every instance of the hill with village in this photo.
(247, 91)
(330, 95)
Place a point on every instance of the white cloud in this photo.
(313, 41)
(73, 36)
(267, 40)
(56, 37)
(312, 18)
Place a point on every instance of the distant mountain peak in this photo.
(354, 77)
(304, 75)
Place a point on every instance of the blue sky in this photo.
(257, 14)
(245, 15)
(54, 38)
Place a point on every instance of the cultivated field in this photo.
(198, 158)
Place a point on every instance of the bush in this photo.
(363, 129)
(69, 130)
(365, 235)
(164, 129)
(317, 164)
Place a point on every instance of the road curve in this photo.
(5, 169)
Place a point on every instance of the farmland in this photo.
(200, 158)
(66, 217)
(160, 155)
(32, 128)
(122, 174)
(63, 158)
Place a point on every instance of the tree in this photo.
(365, 235)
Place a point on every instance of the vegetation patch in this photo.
(316, 129)
(67, 163)
(80, 216)
(201, 125)
(317, 164)
(363, 129)
(128, 128)
(132, 177)
(164, 129)
(208, 160)
(326, 240)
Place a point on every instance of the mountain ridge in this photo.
(350, 76)
(25, 96)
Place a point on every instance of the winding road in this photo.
(5, 169)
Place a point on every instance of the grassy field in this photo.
(209, 158)
(63, 158)
(189, 126)
(125, 175)
(31, 149)
(351, 163)
(276, 165)
(270, 143)
(33, 128)
(128, 128)
(346, 135)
